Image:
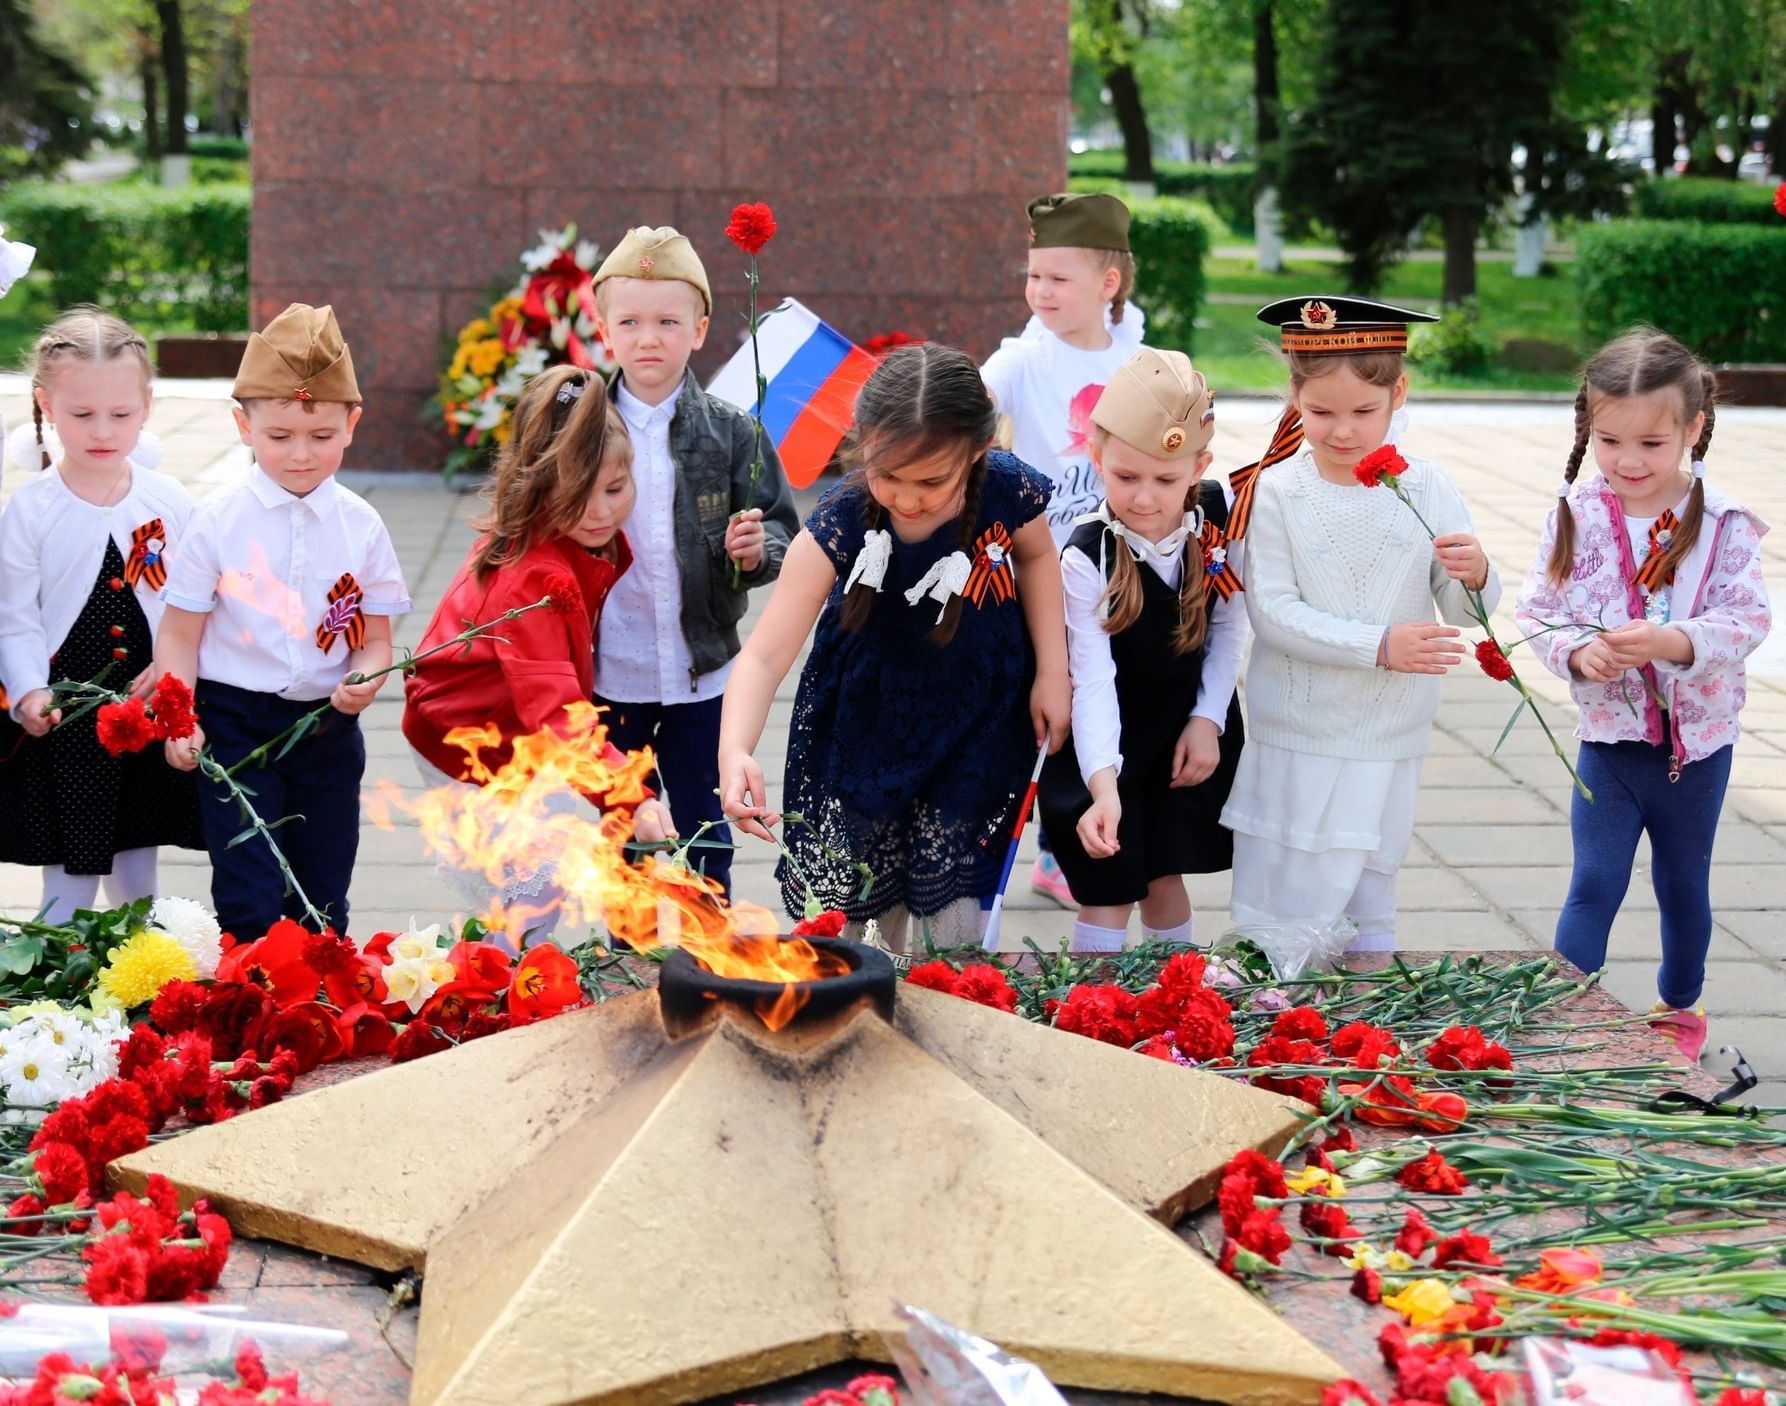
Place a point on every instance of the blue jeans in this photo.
(1632, 796)
(685, 737)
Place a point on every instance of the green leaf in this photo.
(246, 835)
(1518, 708)
(20, 954)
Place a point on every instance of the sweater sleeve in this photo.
(1734, 616)
(1448, 514)
(1279, 615)
(1542, 614)
(24, 649)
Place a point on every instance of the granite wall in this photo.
(405, 155)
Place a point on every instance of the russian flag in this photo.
(813, 373)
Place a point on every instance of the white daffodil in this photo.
(418, 943)
(191, 925)
(412, 981)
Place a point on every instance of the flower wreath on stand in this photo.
(546, 319)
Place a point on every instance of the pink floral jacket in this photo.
(1719, 602)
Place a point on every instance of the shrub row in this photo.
(1170, 241)
(1708, 201)
(1228, 189)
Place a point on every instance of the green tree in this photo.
(46, 101)
(1416, 111)
(1105, 37)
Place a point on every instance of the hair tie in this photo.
(1563, 489)
(572, 390)
(1699, 468)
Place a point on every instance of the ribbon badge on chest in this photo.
(1220, 576)
(145, 562)
(1650, 575)
(343, 619)
(992, 567)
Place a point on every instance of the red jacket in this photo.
(544, 660)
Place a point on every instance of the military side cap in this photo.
(1079, 222)
(663, 253)
(1158, 403)
(299, 356)
(1337, 326)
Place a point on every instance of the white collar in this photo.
(320, 501)
(1167, 549)
(640, 415)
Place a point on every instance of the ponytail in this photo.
(1562, 552)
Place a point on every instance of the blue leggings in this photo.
(1632, 795)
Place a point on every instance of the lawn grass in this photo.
(1234, 350)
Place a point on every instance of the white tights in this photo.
(133, 876)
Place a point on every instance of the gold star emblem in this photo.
(645, 265)
(1173, 440)
(1317, 317)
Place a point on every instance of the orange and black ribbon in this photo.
(992, 567)
(1286, 439)
(146, 562)
(343, 618)
(1220, 576)
(1650, 575)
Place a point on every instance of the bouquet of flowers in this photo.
(546, 319)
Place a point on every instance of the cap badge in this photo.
(301, 394)
(1317, 316)
(644, 265)
(1173, 440)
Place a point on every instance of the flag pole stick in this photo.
(990, 941)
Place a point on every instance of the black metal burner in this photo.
(686, 989)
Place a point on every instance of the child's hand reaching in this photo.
(1594, 662)
(354, 698)
(1640, 642)
(745, 539)
(652, 822)
(182, 752)
(1463, 559)
(1197, 754)
(1420, 647)
(143, 685)
(35, 714)
(743, 793)
(1097, 827)
(1051, 708)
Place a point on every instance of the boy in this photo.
(283, 587)
(701, 536)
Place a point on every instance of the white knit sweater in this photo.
(1328, 567)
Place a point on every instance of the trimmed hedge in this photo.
(1720, 288)
(164, 258)
(219, 148)
(1228, 189)
(1170, 242)
(1708, 201)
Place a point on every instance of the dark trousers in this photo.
(317, 783)
(685, 737)
(1632, 795)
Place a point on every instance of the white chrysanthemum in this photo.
(191, 925)
(35, 1074)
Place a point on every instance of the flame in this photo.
(527, 808)
(261, 591)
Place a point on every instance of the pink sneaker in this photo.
(1686, 1028)
(1047, 880)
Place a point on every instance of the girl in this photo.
(1079, 278)
(83, 555)
(1341, 581)
(1154, 634)
(561, 489)
(938, 666)
(1655, 581)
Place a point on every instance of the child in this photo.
(285, 585)
(84, 548)
(704, 533)
(1155, 633)
(562, 487)
(1659, 578)
(1341, 581)
(936, 670)
(1080, 276)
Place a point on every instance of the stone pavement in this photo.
(1490, 862)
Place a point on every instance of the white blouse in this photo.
(1097, 725)
(51, 545)
(262, 563)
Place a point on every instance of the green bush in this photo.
(164, 258)
(1228, 189)
(1720, 288)
(1455, 345)
(1708, 201)
(219, 148)
(1170, 241)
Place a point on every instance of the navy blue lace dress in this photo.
(905, 755)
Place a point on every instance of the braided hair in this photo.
(81, 334)
(1639, 363)
(921, 400)
(1121, 600)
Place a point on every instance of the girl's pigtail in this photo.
(1562, 552)
(1687, 534)
(1193, 602)
(1121, 599)
(43, 447)
(970, 519)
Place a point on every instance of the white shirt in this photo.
(51, 544)
(261, 562)
(642, 656)
(1097, 725)
(1048, 389)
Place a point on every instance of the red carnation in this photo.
(565, 595)
(171, 704)
(1349, 1392)
(125, 727)
(1267, 1175)
(937, 975)
(117, 1271)
(61, 1170)
(1300, 1023)
(1263, 1233)
(1494, 661)
(986, 985)
(1739, 1395)
(751, 227)
(1415, 1234)
(1466, 1248)
(418, 1039)
(1780, 198)
(1205, 1032)
(827, 924)
(1432, 1174)
(1381, 463)
(1367, 1284)
(1327, 1220)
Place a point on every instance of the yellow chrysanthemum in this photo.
(484, 358)
(138, 968)
(461, 359)
(1422, 1302)
(507, 308)
(475, 330)
(502, 432)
